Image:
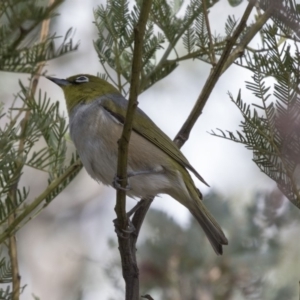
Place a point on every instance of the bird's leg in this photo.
(135, 208)
(130, 226)
(116, 184)
(124, 233)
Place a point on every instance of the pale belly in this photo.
(98, 151)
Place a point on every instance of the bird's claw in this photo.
(124, 233)
(116, 184)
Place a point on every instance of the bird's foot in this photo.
(117, 184)
(124, 233)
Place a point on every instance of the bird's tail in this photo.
(210, 226)
(191, 199)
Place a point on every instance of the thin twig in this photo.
(211, 81)
(24, 33)
(166, 54)
(37, 201)
(211, 44)
(196, 54)
(128, 257)
(34, 81)
(16, 278)
(13, 254)
(255, 28)
(139, 31)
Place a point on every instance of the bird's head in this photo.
(83, 88)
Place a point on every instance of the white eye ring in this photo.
(81, 79)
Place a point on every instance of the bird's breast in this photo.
(95, 135)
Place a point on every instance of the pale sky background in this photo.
(47, 264)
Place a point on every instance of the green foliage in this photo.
(6, 279)
(230, 25)
(114, 46)
(43, 121)
(5, 271)
(32, 133)
(271, 125)
(285, 14)
(6, 293)
(19, 22)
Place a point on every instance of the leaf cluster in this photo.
(19, 24)
(164, 33)
(44, 124)
(5, 271)
(5, 279)
(271, 128)
(285, 14)
(32, 132)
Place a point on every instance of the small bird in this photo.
(155, 164)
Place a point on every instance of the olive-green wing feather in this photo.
(144, 126)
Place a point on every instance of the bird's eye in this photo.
(81, 79)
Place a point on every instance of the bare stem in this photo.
(12, 244)
(13, 254)
(16, 278)
(211, 45)
(127, 251)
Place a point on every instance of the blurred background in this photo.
(69, 251)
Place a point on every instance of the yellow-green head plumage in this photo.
(83, 88)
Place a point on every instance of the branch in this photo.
(236, 53)
(15, 225)
(12, 244)
(139, 31)
(211, 44)
(166, 54)
(13, 254)
(211, 81)
(127, 252)
(53, 4)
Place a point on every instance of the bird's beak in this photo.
(58, 81)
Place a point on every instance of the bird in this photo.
(97, 112)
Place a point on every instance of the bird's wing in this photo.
(145, 127)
